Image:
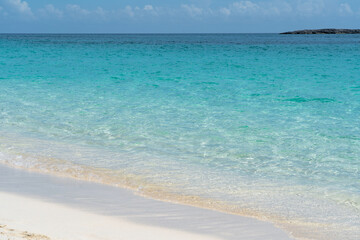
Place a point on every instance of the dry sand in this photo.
(37, 206)
(55, 221)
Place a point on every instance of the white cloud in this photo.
(137, 12)
(50, 11)
(225, 11)
(99, 11)
(345, 9)
(245, 7)
(129, 11)
(148, 8)
(77, 11)
(192, 10)
(261, 8)
(20, 6)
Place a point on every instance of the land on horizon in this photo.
(325, 31)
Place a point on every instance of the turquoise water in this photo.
(263, 122)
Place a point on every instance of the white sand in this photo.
(61, 222)
(60, 208)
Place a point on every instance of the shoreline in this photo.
(70, 223)
(119, 207)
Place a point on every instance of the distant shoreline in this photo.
(325, 31)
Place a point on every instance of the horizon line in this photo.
(143, 33)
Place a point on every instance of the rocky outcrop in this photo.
(325, 31)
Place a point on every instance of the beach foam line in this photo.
(63, 208)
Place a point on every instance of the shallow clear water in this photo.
(264, 122)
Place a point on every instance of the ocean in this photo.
(263, 125)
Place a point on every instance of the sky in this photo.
(175, 16)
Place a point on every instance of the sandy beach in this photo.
(55, 221)
(37, 206)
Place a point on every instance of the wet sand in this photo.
(39, 206)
